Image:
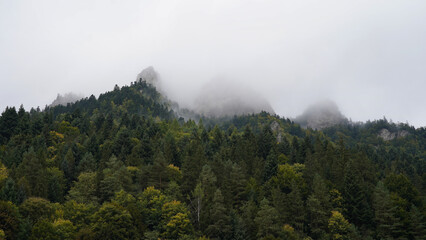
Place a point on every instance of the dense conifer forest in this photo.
(125, 166)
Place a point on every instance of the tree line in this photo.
(124, 166)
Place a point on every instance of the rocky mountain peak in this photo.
(321, 115)
(149, 75)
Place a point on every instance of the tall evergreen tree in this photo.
(387, 225)
(266, 220)
(33, 170)
(192, 165)
(354, 194)
(417, 224)
(220, 224)
(319, 208)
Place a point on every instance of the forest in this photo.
(126, 166)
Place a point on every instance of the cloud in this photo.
(221, 97)
(367, 56)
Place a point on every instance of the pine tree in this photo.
(158, 175)
(249, 212)
(192, 165)
(171, 150)
(386, 223)
(87, 164)
(8, 124)
(266, 220)
(56, 185)
(271, 166)
(417, 224)
(33, 170)
(220, 221)
(116, 177)
(354, 194)
(237, 186)
(84, 189)
(266, 142)
(247, 152)
(68, 165)
(9, 192)
(319, 207)
(296, 210)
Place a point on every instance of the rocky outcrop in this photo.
(276, 128)
(150, 76)
(321, 115)
(388, 135)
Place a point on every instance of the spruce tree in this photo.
(354, 194)
(417, 224)
(386, 223)
(220, 220)
(319, 207)
(266, 220)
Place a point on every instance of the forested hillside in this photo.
(125, 166)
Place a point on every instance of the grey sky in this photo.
(367, 56)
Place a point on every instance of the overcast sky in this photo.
(367, 56)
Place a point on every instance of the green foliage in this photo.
(37, 209)
(355, 196)
(115, 178)
(58, 230)
(401, 185)
(124, 166)
(56, 184)
(319, 207)
(33, 172)
(388, 224)
(78, 213)
(9, 220)
(175, 220)
(3, 173)
(151, 204)
(219, 227)
(84, 189)
(9, 192)
(289, 175)
(338, 226)
(289, 233)
(112, 221)
(2, 235)
(266, 220)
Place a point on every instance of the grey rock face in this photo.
(149, 75)
(388, 135)
(275, 127)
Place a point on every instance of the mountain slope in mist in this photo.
(150, 76)
(321, 115)
(221, 98)
(218, 98)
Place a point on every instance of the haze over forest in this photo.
(195, 120)
(366, 56)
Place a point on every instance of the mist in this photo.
(366, 56)
(221, 97)
(322, 114)
(65, 99)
